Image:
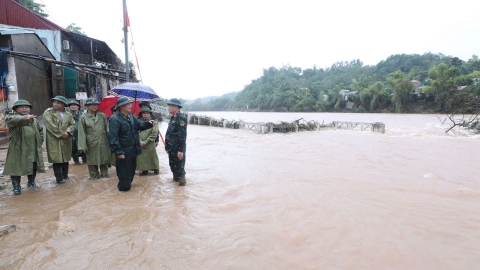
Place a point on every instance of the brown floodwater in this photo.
(336, 199)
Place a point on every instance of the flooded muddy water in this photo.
(336, 199)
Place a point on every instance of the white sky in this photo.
(192, 48)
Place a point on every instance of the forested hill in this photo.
(385, 87)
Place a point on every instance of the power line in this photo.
(50, 14)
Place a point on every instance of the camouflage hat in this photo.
(21, 102)
(175, 101)
(74, 102)
(91, 101)
(123, 101)
(61, 99)
(145, 110)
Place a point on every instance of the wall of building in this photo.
(33, 76)
(52, 40)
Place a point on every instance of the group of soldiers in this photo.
(123, 141)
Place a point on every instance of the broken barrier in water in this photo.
(284, 127)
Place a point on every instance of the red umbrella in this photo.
(108, 102)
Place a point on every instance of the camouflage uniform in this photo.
(175, 141)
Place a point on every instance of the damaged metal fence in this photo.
(283, 127)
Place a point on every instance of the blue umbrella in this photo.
(136, 91)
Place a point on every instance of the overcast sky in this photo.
(191, 49)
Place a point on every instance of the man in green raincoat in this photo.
(60, 127)
(24, 156)
(148, 160)
(74, 107)
(93, 139)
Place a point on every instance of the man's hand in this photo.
(65, 135)
(156, 144)
(121, 157)
(32, 116)
(142, 144)
(180, 155)
(152, 122)
(85, 151)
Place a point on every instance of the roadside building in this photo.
(24, 78)
(81, 53)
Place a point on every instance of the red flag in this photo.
(127, 20)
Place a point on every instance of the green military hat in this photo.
(61, 99)
(91, 101)
(145, 103)
(176, 102)
(74, 102)
(123, 101)
(145, 109)
(21, 102)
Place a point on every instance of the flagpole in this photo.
(125, 31)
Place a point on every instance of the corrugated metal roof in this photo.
(11, 31)
(13, 13)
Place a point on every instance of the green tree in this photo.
(35, 7)
(402, 88)
(442, 79)
(75, 29)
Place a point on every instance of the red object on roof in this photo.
(108, 102)
(15, 14)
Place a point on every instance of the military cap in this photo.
(61, 99)
(145, 110)
(91, 101)
(74, 102)
(21, 102)
(176, 102)
(145, 103)
(123, 101)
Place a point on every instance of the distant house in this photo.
(352, 93)
(343, 92)
(416, 84)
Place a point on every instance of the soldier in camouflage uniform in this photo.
(74, 107)
(175, 141)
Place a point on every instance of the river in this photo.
(335, 199)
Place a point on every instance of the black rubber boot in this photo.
(156, 172)
(65, 170)
(75, 159)
(16, 185)
(57, 171)
(144, 173)
(84, 158)
(31, 180)
(181, 180)
(175, 177)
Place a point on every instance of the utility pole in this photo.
(125, 39)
